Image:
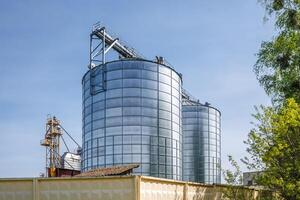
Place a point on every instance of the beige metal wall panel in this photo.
(87, 189)
(165, 189)
(202, 192)
(160, 189)
(110, 188)
(13, 189)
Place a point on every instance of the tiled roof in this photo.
(109, 171)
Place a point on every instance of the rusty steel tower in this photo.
(52, 144)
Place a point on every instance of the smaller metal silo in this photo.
(201, 142)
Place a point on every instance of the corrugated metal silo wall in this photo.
(132, 114)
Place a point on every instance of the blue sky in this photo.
(44, 53)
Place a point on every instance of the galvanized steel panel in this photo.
(71, 161)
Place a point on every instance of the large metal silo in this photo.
(132, 114)
(201, 142)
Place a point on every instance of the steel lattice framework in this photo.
(100, 44)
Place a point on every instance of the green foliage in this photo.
(234, 180)
(233, 177)
(274, 147)
(286, 13)
(274, 143)
(278, 64)
(277, 5)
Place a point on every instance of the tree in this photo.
(278, 64)
(274, 147)
(285, 11)
(235, 190)
(233, 179)
(274, 143)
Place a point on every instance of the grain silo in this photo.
(201, 141)
(132, 114)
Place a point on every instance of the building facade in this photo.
(132, 114)
(201, 142)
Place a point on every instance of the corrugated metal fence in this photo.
(108, 188)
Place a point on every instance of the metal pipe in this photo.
(103, 47)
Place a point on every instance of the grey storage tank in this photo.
(132, 114)
(201, 142)
(71, 161)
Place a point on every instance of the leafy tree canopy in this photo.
(274, 147)
(278, 64)
(274, 143)
(287, 13)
